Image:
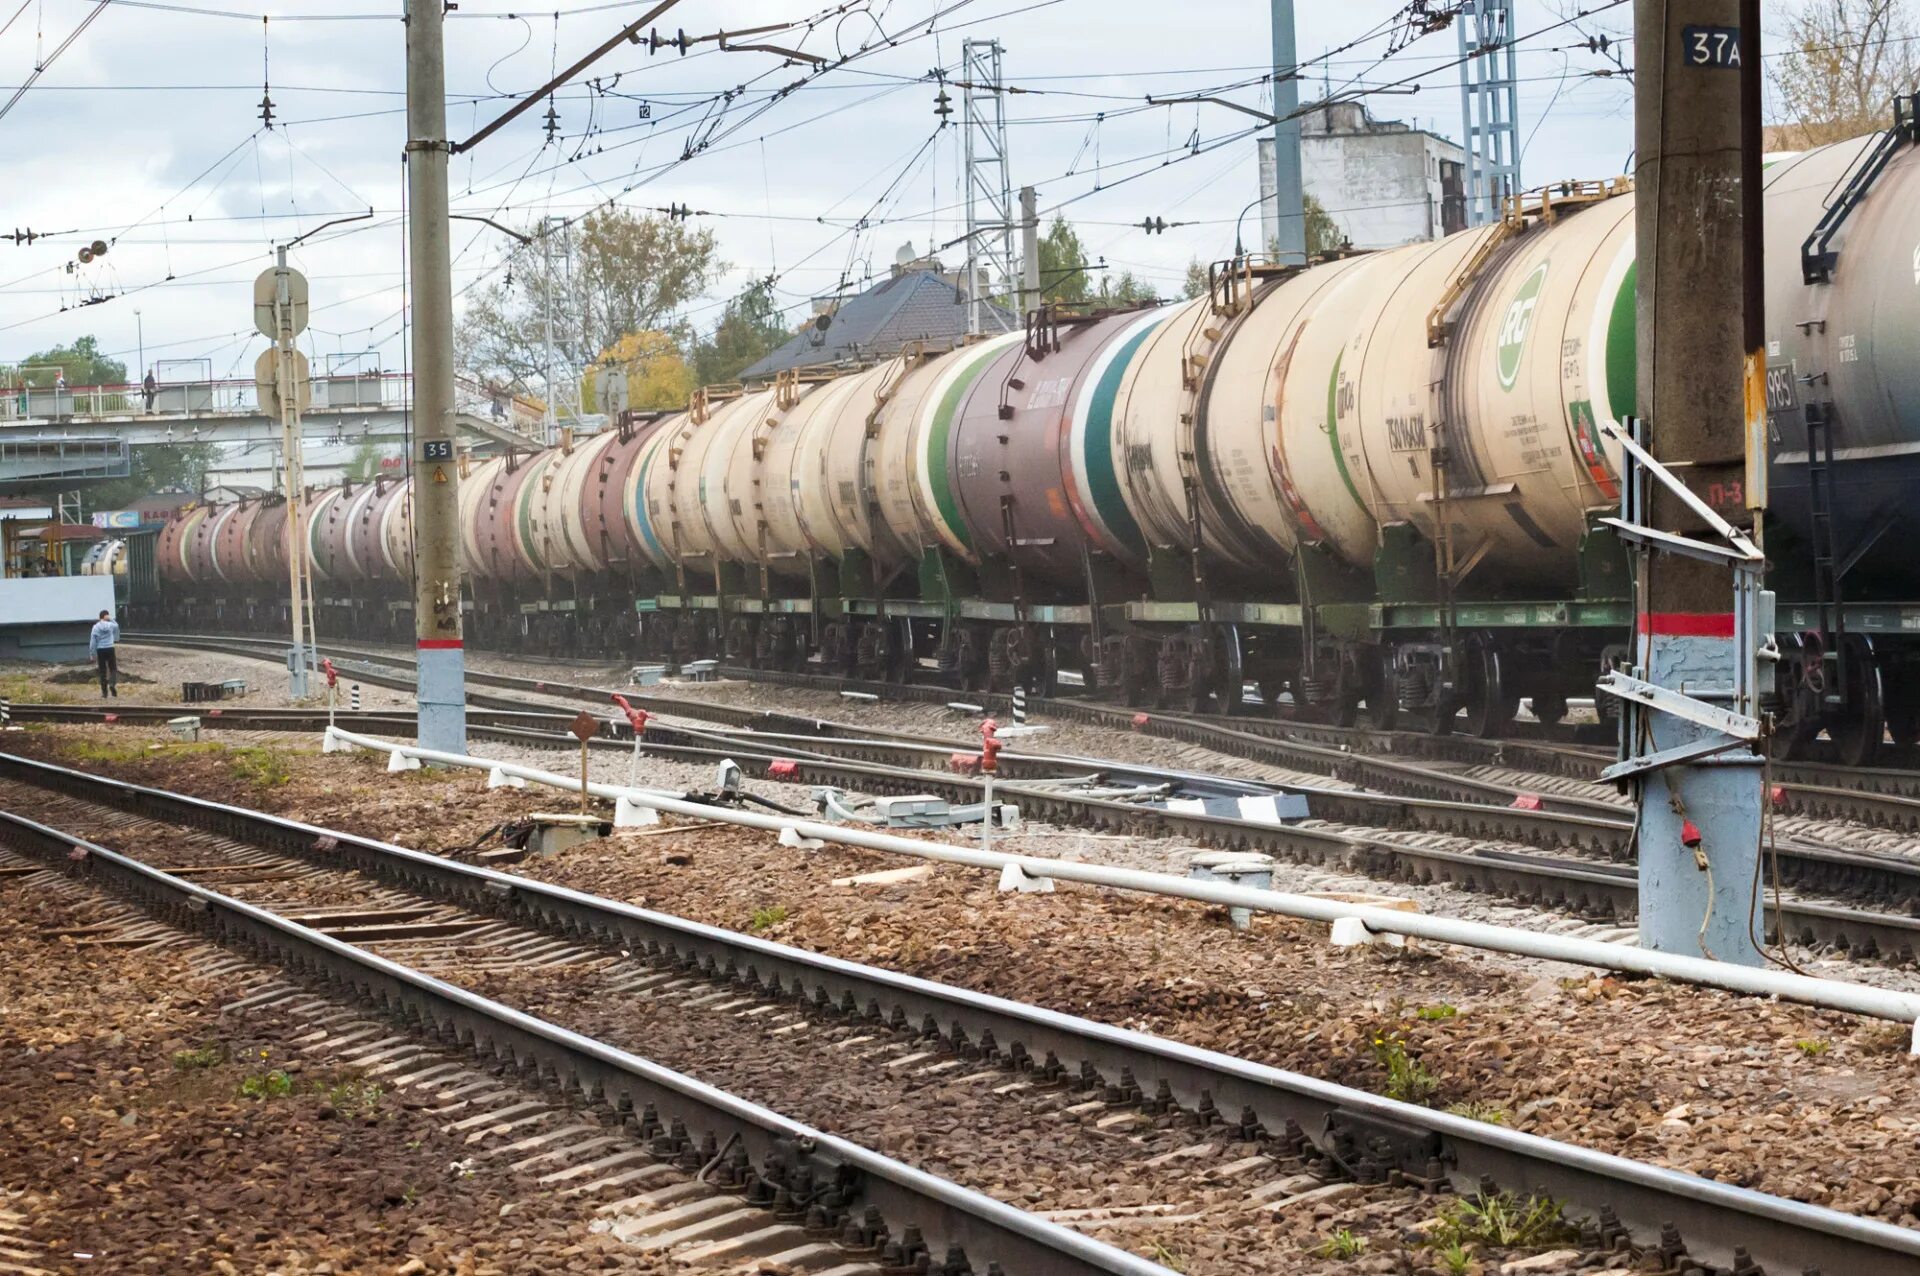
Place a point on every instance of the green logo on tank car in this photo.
(1513, 330)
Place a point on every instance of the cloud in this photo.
(147, 100)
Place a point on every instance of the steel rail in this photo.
(964, 1226)
(1370, 1136)
(1801, 781)
(1883, 797)
(1589, 891)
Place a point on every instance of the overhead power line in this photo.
(49, 60)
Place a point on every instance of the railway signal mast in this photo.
(282, 381)
(1694, 483)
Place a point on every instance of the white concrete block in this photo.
(1012, 878)
(1351, 932)
(498, 779)
(628, 814)
(790, 836)
(397, 761)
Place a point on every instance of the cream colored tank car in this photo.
(1241, 436)
(794, 473)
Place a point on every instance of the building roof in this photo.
(1348, 119)
(915, 305)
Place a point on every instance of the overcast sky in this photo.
(145, 132)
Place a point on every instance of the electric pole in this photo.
(1029, 251)
(1701, 376)
(442, 692)
(1289, 197)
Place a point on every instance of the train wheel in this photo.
(1903, 717)
(1383, 703)
(1794, 741)
(901, 659)
(1139, 671)
(1489, 706)
(1902, 698)
(1548, 710)
(1859, 737)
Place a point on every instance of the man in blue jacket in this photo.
(100, 644)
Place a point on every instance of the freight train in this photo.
(1373, 482)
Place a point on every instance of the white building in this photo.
(1384, 182)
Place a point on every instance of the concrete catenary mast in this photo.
(1694, 731)
(436, 478)
(1287, 227)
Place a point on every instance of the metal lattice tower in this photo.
(1489, 107)
(560, 381)
(990, 210)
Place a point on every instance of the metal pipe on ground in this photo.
(1832, 994)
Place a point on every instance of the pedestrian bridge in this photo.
(31, 464)
(346, 408)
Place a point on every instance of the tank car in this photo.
(1371, 483)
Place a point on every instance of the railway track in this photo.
(1446, 849)
(1179, 1111)
(1401, 764)
(413, 960)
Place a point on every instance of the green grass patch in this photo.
(353, 1097)
(266, 1085)
(1171, 1259)
(24, 688)
(1441, 1011)
(125, 752)
(1812, 1047)
(1342, 1244)
(262, 768)
(1475, 1110)
(1502, 1220)
(764, 918)
(1407, 1079)
(200, 1057)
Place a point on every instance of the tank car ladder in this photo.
(1818, 257)
(1827, 596)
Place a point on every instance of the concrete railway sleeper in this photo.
(1373, 1139)
(880, 1211)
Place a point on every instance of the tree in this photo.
(748, 331)
(629, 275)
(1844, 61)
(1323, 233)
(82, 362)
(155, 468)
(1066, 276)
(364, 464)
(1196, 283)
(1063, 264)
(657, 374)
(1124, 290)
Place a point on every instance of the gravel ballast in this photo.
(1808, 1104)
